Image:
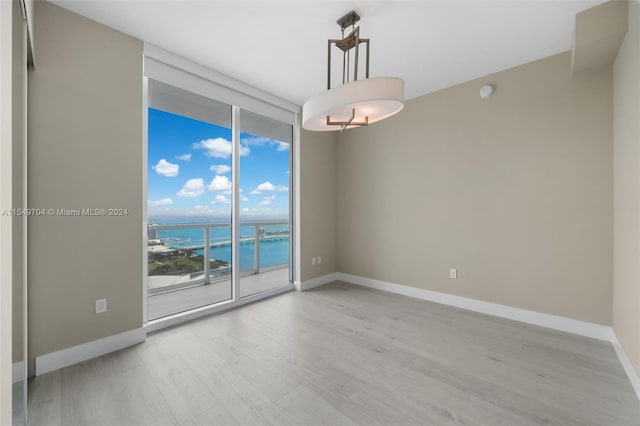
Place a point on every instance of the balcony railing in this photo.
(173, 251)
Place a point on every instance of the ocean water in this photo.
(272, 251)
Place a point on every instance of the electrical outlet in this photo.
(313, 261)
(453, 273)
(319, 260)
(101, 306)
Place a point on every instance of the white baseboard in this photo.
(74, 354)
(18, 372)
(582, 328)
(315, 282)
(631, 371)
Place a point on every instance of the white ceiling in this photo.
(281, 46)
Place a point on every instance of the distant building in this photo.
(152, 234)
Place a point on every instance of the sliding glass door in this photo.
(191, 252)
(189, 210)
(264, 203)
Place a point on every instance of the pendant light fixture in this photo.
(356, 102)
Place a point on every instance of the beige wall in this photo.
(626, 86)
(6, 202)
(85, 151)
(514, 191)
(317, 203)
(18, 128)
(598, 33)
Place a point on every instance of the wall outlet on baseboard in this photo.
(101, 306)
(453, 273)
(313, 261)
(319, 260)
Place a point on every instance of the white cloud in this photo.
(246, 209)
(268, 186)
(243, 198)
(255, 192)
(228, 191)
(162, 202)
(199, 209)
(220, 199)
(207, 210)
(220, 183)
(266, 201)
(220, 169)
(193, 188)
(283, 146)
(219, 148)
(255, 140)
(184, 157)
(260, 140)
(166, 168)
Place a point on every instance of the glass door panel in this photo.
(264, 203)
(189, 203)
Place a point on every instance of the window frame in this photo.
(181, 73)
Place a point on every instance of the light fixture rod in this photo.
(355, 66)
(348, 64)
(329, 65)
(353, 115)
(345, 70)
(349, 122)
(366, 40)
(352, 41)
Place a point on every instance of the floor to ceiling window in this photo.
(218, 208)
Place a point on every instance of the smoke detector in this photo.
(486, 91)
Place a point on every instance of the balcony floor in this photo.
(164, 304)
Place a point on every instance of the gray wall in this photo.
(85, 151)
(626, 84)
(317, 203)
(514, 191)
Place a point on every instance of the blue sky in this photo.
(189, 170)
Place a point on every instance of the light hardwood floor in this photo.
(343, 354)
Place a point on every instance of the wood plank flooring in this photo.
(345, 355)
